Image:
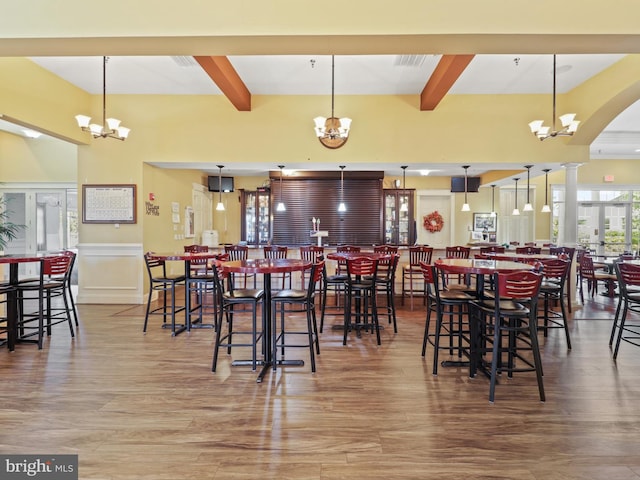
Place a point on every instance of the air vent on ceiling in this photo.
(409, 60)
(184, 61)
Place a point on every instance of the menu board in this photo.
(109, 203)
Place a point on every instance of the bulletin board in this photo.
(109, 203)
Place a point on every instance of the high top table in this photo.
(187, 258)
(480, 268)
(266, 266)
(14, 260)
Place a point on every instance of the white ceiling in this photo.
(354, 75)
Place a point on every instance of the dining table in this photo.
(187, 258)
(480, 268)
(519, 257)
(266, 267)
(14, 260)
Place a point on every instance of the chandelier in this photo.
(110, 126)
(569, 125)
(332, 132)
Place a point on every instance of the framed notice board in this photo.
(109, 203)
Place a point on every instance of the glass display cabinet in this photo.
(399, 225)
(256, 224)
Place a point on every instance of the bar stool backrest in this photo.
(362, 266)
(555, 269)
(275, 251)
(628, 275)
(385, 249)
(457, 252)
(517, 285)
(418, 254)
(310, 253)
(237, 252)
(58, 266)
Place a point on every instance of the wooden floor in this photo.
(136, 406)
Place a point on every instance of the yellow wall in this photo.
(37, 160)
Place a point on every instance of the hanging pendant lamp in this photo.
(220, 206)
(110, 127)
(405, 202)
(465, 205)
(545, 207)
(569, 125)
(281, 207)
(342, 207)
(332, 132)
(527, 206)
(515, 210)
(493, 201)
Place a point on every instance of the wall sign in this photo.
(110, 203)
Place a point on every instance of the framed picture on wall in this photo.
(484, 222)
(109, 203)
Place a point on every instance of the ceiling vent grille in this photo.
(409, 60)
(184, 61)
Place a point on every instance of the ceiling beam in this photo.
(227, 79)
(442, 79)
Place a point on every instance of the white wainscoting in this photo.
(111, 273)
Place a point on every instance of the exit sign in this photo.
(608, 178)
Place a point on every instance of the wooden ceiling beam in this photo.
(442, 79)
(221, 71)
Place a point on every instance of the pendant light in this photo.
(545, 207)
(405, 202)
(569, 124)
(493, 201)
(220, 206)
(465, 205)
(527, 206)
(281, 207)
(333, 132)
(515, 210)
(342, 207)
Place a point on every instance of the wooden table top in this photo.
(480, 266)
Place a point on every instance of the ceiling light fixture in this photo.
(281, 207)
(110, 126)
(220, 206)
(527, 206)
(342, 207)
(332, 132)
(405, 202)
(465, 205)
(515, 210)
(493, 201)
(569, 125)
(545, 207)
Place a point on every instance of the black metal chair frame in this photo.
(361, 297)
(628, 276)
(227, 300)
(507, 326)
(282, 302)
(166, 284)
(554, 279)
(452, 304)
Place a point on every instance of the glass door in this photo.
(605, 227)
(50, 219)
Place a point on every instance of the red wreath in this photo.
(433, 222)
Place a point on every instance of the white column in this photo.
(571, 204)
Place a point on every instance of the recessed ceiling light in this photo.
(424, 173)
(31, 133)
